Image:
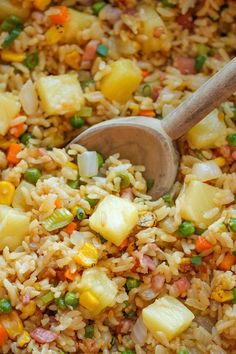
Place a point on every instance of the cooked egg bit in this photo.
(150, 142)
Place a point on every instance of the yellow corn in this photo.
(5, 144)
(12, 324)
(54, 34)
(72, 165)
(28, 310)
(74, 210)
(220, 161)
(87, 255)
(37, 286)
(7, 191)
(73, 59)
(41, 4)
(221, 116)
(89, 301)
(185, 260)
(10, 56)
(220, 295)
(23, 339)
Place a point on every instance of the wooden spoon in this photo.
(149, 141)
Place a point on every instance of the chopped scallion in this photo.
(89, 331)
(149, 183)
(48, 297)
(31, 61)
(98, 6)
(86, 112)
(234, 296)
(199, 62)
(168, 199)
(10, 23)
(102, 50)
(59, 218)
(147, 90)
(13, 34)
(124, 179)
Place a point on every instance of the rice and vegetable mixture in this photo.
(89, 263)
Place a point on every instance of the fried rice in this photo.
(41, 276)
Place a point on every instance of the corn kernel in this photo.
(7, 191)
(73, 59)
(10, 56)
(28, 310)
(12, 323)
(72, 165)
(221, 116)
(74, 210)
(185, 260)
(88, 300)
(23, 339)
(41, 4)
(87, 255)
(220, 295)
(37, 286)
(54, 34)
(220, 161)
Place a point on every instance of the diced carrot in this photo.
(58, 203)
(182, 284)
(69, 275)
(3, 335)
(202, 244)
(17, 130)
(123, 244)
(147, 113)
(145, 73)
(71, 227)
(228, 261)
(61, 275)
(61, 17)
(13, 150)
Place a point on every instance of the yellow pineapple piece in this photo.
(60, 94)
(9, 109)
(123, 80)
(87, 255)
(114, 219)
(197, 199)
(78, 21)
(167, 315)
(7, 8)
(12, 324)
(154, 28)
(205, 134)
(97, 290)
(14, 226)
(19, 200)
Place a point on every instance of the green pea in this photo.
(232, 224)
(89, 331)
(132, 283)
(76, 121)
(25, 138)
(168, 199)
(73, 184)
(80, 213)
(60, 302)
(231, 138)
(32, 175)
(199, 62)
(149, 183)
(92, 202)
(147, 90)
(100, 160)
(102, 50)
(98, 6)
(124, 179)
(71, 300)
(5, 306)
(186, 229)
(196, 260)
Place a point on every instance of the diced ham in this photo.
(157, 282)
(127, 193)
(155, 93)
(158, 31)
(186, 65)
(225, 151)
(186, 21)
(41, 335)
(182, 285)
(234, 155)
(26, 299)
(91, 346)
(148, 263)
(90, 50)
(126, 326)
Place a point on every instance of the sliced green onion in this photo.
(89, 331)
(126, 303)
(128, 351)
(149, 183)
(13, 34)
(234, 296)
(31, 61)
(76, 121)
(147, 90)
(73, 184)
(47, 298)
(102, 50)
(10, 23)
(231, 138)
(196, 260)
(167, 3)
(124, 179)
(98, 6)
(80, 213)
(25, 138)
(199, 62)
(92, 202)
(88, 164)
(199, 231)
(86, 112)
(100, 160)
(168, 199)
(59, 218)
(183, 352)
(87, 83)
(132, 283)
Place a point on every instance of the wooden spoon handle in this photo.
(203, 101)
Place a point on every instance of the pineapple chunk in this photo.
(123, 79)
(9, 108)
(7, 9)
(196, 199)
(114, 219)
(97, 290)
(78, 22)
(60, 94)
(19, 200)
(151, 22)
(14, 226)
(167, 315)
(205, 134)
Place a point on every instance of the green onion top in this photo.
(234, 296)
(47, 298)
(102, 50)
(98, 6)
(199, 62)
(196, 260)
(149, 183)
(60, 302)
(10, 23)
(12, 35)
(167, 3)
(89, 331)
(124, 179)
(58, 219)
(31, 61)
(232, 224)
